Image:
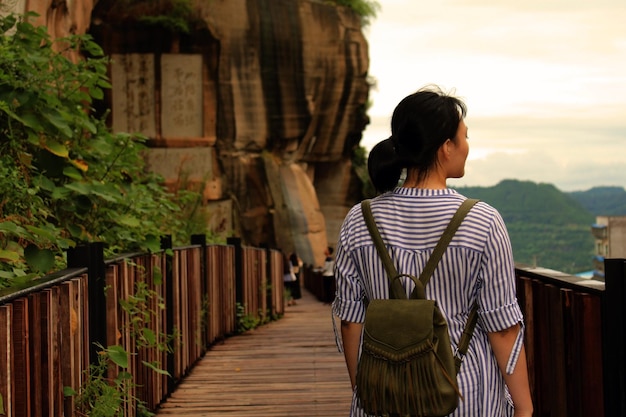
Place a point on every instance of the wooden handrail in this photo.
(49, 328)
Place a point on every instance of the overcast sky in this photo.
(544, 82)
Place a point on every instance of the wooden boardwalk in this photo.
(290, 367)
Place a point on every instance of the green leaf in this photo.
(79, 187)
(118, 355)
(15, 230)
(5, 25)
(40, 260)
(56, 148)
(104, 84)
(2, 405)
(19, 273)
(31, 120)
(60, 193)
(157, 277)
(8, 256)
(7, 275)
(45, 183)
(72, 173)
(155, 367)
(149, 336)
(93, 48)
(57, 120)
(96, 93)
(40, 232)
(153, 243)
(101, 146)
(124, 376)
(107, 192)
(88, 124)
(76, 231)
(69, 392)
(128, 220)
(33, 138)
(8, 226)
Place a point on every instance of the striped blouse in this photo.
(477, 266)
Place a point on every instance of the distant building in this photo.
(610, 235)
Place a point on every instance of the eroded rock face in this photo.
(260, 105)
(292, 82)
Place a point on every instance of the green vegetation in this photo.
(101, 396)
(602, 201)
(65, 178)
(548, 228)
(174, 16)
(245, 321)
(367, 9)
(106, 393)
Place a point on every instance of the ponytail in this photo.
(384, 166)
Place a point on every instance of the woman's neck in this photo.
(432, 181)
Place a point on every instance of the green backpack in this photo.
(407, 367)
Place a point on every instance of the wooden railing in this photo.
(575, 328)
(575, 339)
(50, 332)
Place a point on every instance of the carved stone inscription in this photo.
(132, 77)
(181, 96)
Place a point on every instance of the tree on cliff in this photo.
(367, 9)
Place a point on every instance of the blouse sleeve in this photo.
(499, 308)
(348, 304)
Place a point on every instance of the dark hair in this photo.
(286, 264)
(420, 124)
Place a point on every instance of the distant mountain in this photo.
(603, 201)
(548, 228)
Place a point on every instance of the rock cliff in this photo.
(260, 105)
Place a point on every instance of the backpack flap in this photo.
(399, 329)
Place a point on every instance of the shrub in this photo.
(65, 178)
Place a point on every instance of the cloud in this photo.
(545, 81)
(541, 168)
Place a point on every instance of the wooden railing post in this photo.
(201, 240)
(614, 337)
(236, 242)
(168, 276)
(270, 288)
(92, 257)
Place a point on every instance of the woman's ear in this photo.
(445, 150)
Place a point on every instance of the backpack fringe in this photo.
(387, 387)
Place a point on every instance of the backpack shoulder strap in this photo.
(466, 337)
(396, 290)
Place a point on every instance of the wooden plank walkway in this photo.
(289, 367)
